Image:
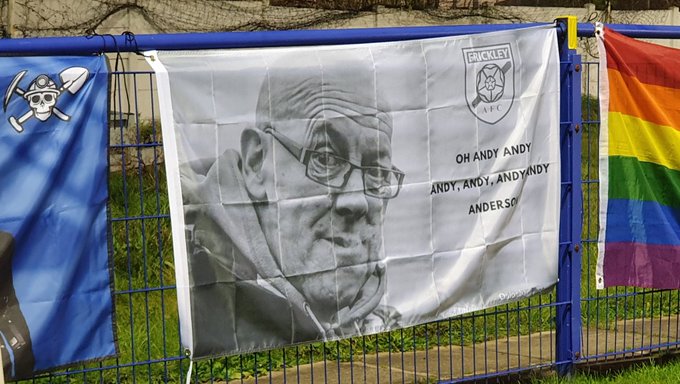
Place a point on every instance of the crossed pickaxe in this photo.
(72, 79)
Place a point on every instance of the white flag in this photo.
(335, 191)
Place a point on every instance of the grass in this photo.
(648, 372)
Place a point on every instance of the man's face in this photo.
(329, 239)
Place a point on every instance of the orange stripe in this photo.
(653, 103)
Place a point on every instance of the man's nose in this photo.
(351, 201)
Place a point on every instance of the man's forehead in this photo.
(293, 94)
(349, 123)
(331, 105)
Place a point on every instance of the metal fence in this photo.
(555, 330)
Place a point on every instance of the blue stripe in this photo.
(642, 222)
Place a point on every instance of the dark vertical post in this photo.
(568, 321)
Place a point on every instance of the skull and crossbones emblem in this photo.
(43, 93)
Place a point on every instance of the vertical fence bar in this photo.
(568, 319)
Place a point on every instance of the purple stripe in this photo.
(642, 265)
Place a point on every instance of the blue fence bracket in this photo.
(568, 316)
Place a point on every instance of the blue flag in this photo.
(55, 283)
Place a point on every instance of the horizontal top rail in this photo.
(96, 44)
(634, 30)
(86, 45)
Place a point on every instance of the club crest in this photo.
(43, 94)
(489, 81)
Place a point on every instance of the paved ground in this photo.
(446, 363)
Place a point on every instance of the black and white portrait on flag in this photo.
(324, 192)
(285, 235)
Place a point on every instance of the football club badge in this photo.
(489, 81)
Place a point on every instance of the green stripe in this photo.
(630, 178)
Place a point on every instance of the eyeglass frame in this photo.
(302, 155)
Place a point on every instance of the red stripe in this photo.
(642, 265)
(650, 63)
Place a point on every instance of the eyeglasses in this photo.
(333, 171)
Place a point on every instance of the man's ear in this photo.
(256, 168)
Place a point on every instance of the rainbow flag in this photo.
(639, 239)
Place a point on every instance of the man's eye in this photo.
(326, 159)
(373, 173)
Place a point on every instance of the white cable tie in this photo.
(191, 365)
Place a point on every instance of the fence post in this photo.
(568, 320)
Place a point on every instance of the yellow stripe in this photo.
(634, 137)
